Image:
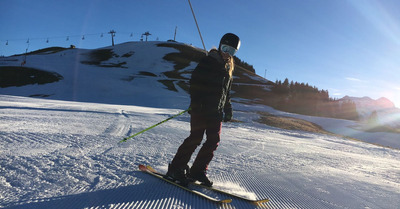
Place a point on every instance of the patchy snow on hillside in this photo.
(93, 83)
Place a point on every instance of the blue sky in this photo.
(348, 47)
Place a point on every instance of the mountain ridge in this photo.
(380, 103)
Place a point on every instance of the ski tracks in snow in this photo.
(120, 124)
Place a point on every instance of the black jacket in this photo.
(210, 87)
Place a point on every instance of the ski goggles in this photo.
(228, 49)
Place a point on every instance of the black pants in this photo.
(198, 125)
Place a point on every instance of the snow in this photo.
(348, 128)
(66, 154)
(59, 153)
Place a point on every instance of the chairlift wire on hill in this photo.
(112, 32)
(47, 39)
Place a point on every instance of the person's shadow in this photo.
(140, 193)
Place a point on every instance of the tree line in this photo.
(244, 64)
(304, 99)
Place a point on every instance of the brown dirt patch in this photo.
(290, 123)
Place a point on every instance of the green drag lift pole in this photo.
(174, 116)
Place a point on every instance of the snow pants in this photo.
(198, 125)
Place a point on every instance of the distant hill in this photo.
(378, 115)
(127, 73)
(366, 105)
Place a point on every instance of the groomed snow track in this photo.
(147, 192)
(57, 154)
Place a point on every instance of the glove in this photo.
(228, 116)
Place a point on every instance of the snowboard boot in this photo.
(178, 175)
(200, 177)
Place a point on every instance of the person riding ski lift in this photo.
(210, 104)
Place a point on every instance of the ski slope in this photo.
(62, 154)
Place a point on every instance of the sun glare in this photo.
(380, 17)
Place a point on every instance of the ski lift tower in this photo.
(146, 34)
(112, 32)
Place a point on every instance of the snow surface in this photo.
(58, 154)
(61, 153)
